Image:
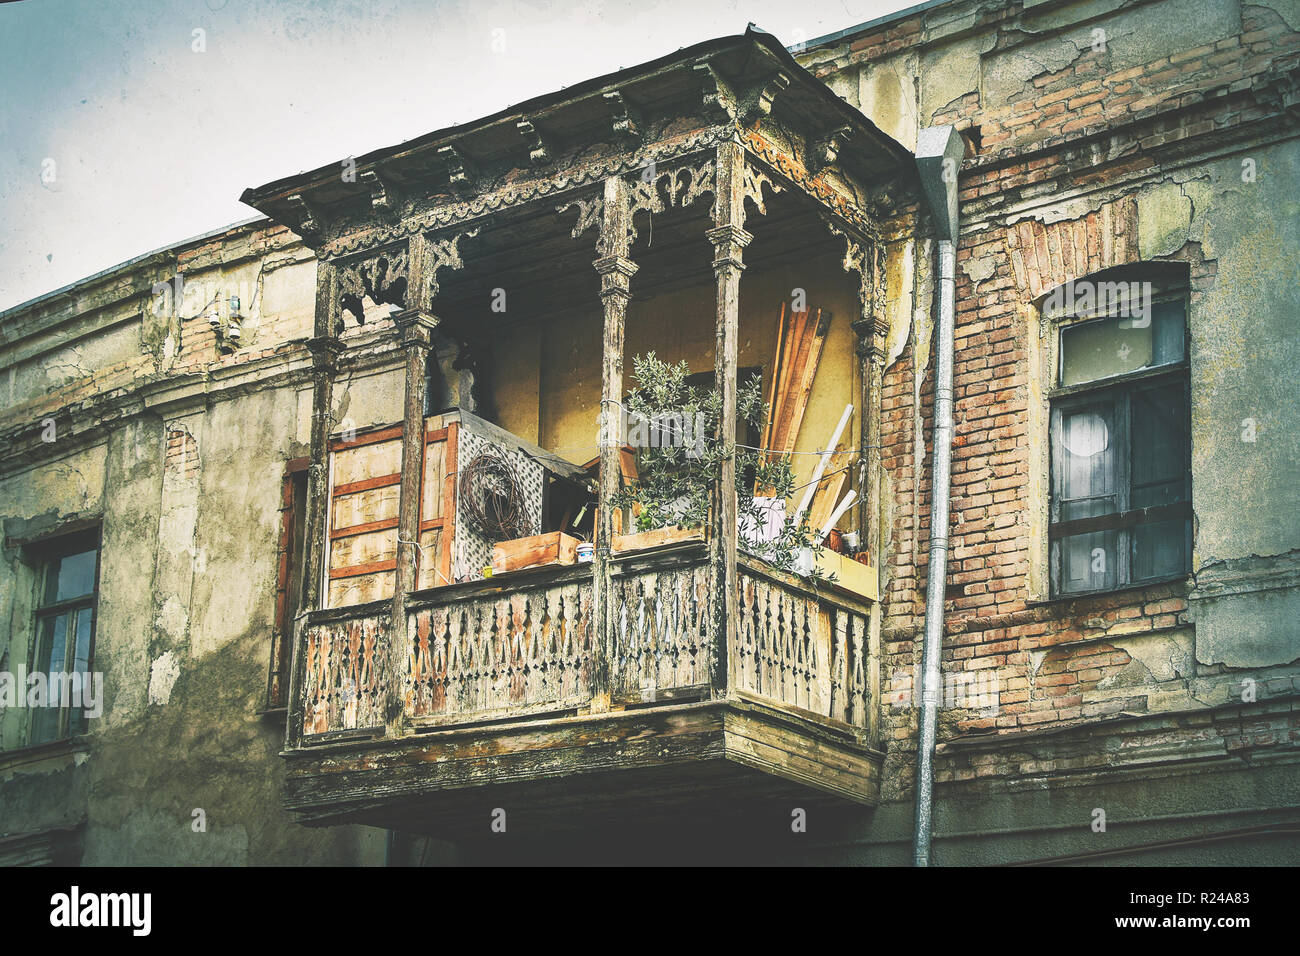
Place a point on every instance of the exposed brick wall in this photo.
(182, 456)
(1056, 664)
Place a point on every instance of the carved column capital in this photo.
(416, 327)
(870, 333)
(729, 242)
(616, 274)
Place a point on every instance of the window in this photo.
(65, 635)
(1120, 455)
(289, 579)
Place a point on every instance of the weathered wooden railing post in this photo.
(416, 327)
(729, 239)
(871, 331)
(324, 347)
(616, 271)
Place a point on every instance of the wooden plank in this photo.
(366, 484)
(828, 491)
(359, 569)
(658, 538)
(367, 438)
(374, 504)
(801, 387)
(381, 525)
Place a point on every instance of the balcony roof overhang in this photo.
(746, 87)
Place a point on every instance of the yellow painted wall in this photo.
(548, 374)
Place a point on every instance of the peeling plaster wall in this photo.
(1026, 83)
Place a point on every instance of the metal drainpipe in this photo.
(938, 159)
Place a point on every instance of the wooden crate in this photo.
(555, 547)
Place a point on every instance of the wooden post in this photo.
(729, 239)
(616, 271)
(324, 347)
(416, 329)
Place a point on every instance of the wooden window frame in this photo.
(293, 544)
(1115, 393)
(44, 554)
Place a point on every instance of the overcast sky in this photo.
(117, 136)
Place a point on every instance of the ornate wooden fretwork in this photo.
(589, 213)
(814, 186)
(866, 259)
(754, 180)
(510, 195)
(444, 253)
(382, 278)
(682, 184)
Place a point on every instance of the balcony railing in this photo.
(527, 644)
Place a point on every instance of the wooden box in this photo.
(535, 551)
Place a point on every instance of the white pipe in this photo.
(842, 507)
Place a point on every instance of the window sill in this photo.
(31, 753)
(1182, 578)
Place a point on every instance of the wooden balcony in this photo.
(508, 693)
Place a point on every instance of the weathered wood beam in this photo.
(616, 271)
(309, 223)
(626, 123)
(539, 150)
(729, 239)
(325, 349)
(416, 328)
(461, 170)
(385, 199)
(718, 103)
(764, 96)
(826, 151)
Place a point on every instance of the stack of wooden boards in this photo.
(800, 340)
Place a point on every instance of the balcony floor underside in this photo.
(710, 759)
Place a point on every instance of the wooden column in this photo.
(616, 271)
(324, 347)
(729, 239)
(416, 328)
(870, 332)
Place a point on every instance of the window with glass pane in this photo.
(65, 630)
(1121, 486)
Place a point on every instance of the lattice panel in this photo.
(473, 548)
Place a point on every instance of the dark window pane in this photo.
(81, 652)
(1088, 483)
(81, 665)
(1159, 439)
(1159, 549)
(52, 646)
(69, 577)
(1089, 561)
(51, 655)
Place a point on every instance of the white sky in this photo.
(152, 143)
